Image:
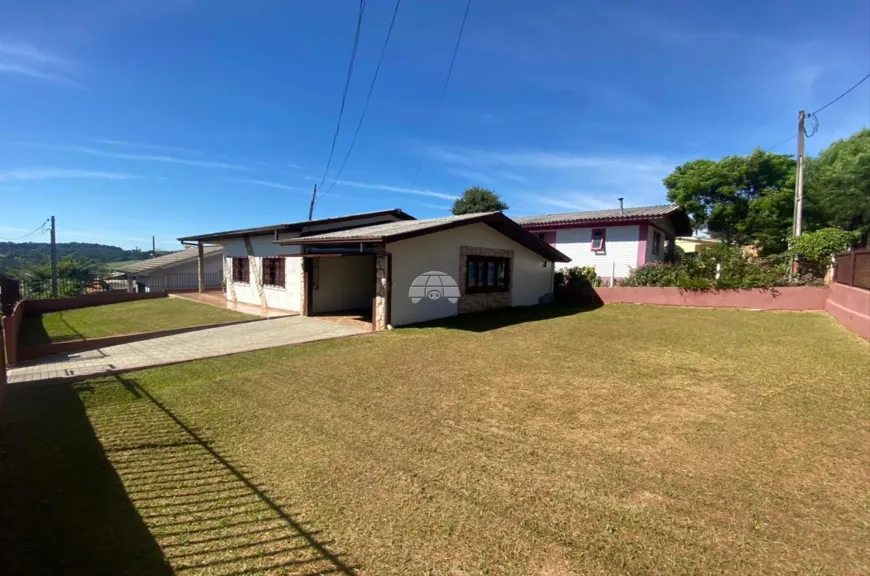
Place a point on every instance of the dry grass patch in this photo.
(627, 440)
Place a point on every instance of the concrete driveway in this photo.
(206, 343)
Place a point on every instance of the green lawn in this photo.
(625, 440)
(124, 318)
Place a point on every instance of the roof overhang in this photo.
(679, 219)
(276, 229)
(496, 220)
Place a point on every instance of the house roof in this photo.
(396, 231)
(294, 226)
(173, 259)
(678, 216)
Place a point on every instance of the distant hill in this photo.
(14, 255)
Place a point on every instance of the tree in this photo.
(740, 199)
(476, 200)
(838, 186)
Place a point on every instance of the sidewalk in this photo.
(207, 343)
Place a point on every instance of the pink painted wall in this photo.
(850, 306)
(790, 298)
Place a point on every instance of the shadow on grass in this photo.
(204, 511)
(63, 509)
(502, 317)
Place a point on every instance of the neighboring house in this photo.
(691, 244)
(175, 271)
(396, 269)
(612, 241)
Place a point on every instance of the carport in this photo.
(340, 283)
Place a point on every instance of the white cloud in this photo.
(22, 59)
(573, 201)
(269, 184)
(150, 158)
(63, 173)
(128, 144)
(399, 189)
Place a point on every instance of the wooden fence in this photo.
(853, 268)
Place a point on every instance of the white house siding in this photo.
(620, 249)
(346, 283)
(287, 298)
(439, 252)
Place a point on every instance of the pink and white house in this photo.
(612, 241)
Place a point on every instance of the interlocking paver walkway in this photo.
(206, 343)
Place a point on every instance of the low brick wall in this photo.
(787, 298)
(26, 353)
(37, 307)
(850, 306)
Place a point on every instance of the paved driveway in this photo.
(206, 343)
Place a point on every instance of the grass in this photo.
(625, 440)
(123, 318)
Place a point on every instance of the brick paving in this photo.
(207, 343)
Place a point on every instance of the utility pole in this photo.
(313, 200)
(799, 183)
(53, 260)
(153, 248)
(798, 214)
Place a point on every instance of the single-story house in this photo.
(612, 241)
(174, 271)
(691, 244)
(397, 269)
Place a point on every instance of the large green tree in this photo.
(838, 186)
(476, 200)
(739, 199)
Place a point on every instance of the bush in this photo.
(814, 249)
(697, 271)
(578, 274)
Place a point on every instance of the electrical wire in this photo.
(40, 228)
(771, 148)
(861, 81)
(846, 114)
(368, 97)
(444, 90)
(362, 8)
(814, 126)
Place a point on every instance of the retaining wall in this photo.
(850, 306)
(787, 298)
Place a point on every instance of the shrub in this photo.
(816, 248)
(568, 276)
(697, 271)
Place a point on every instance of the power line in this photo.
(861, 81)
(846, 113)
(444, 90)
(40, 228)
(771, 148)
(368, 96)
(362, 7)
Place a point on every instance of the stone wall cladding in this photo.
(379, 322)
(486, 300)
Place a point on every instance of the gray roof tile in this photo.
(165, 261)
(615, 214)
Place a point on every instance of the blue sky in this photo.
(132, 118)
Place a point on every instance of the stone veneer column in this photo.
(379, 322)
(303, 289)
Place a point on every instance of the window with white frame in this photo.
(599, 236)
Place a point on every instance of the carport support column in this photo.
(382, 276)
(200, 268)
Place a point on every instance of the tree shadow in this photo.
(63, 508)
(502, 317)
(204, 511)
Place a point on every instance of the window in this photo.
(657, 243)
(273, 272)
(598, 237)
(241, 271)
(485, 274)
